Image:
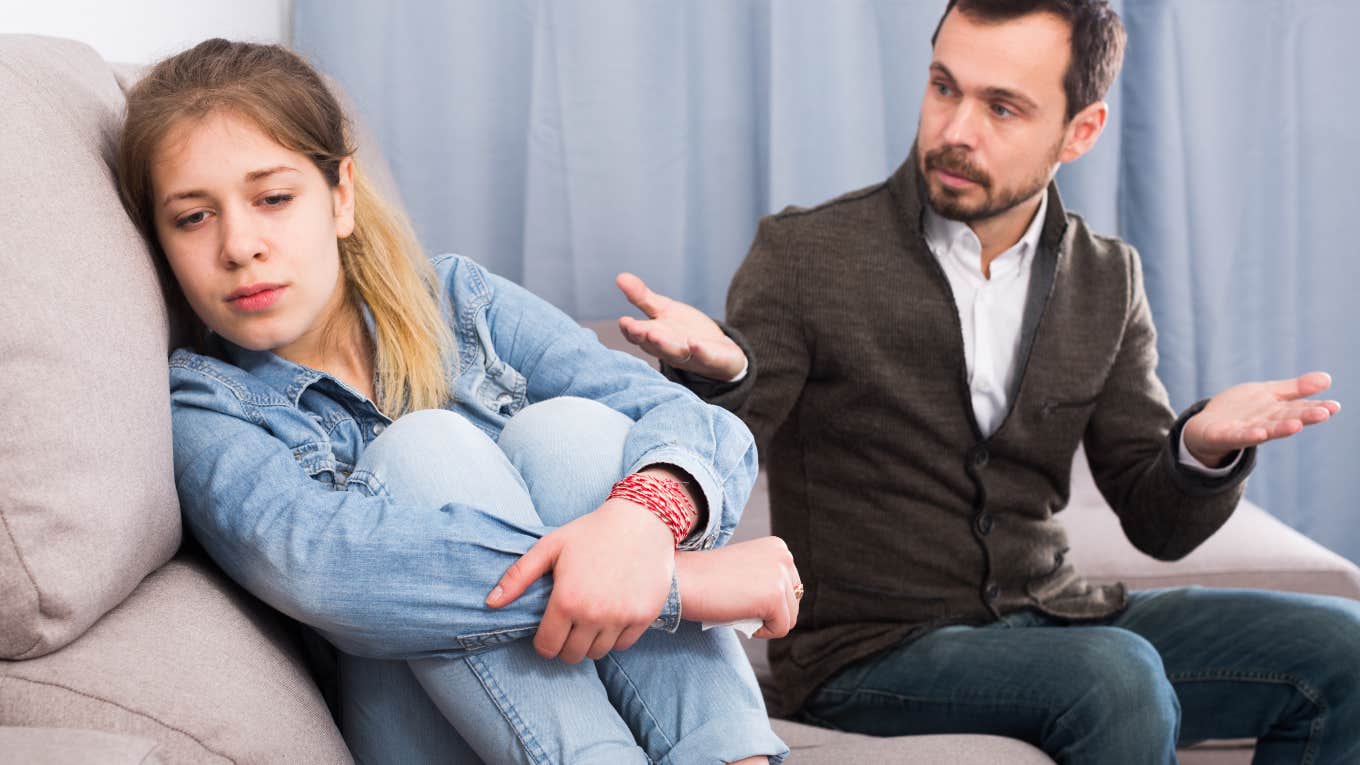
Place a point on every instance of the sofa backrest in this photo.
(87, 496)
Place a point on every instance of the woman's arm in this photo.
(376, 578)
(672, 426)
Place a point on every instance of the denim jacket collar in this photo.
(287, 377)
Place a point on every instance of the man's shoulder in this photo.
(1091, 255)
(1081, 238)
(849, 209)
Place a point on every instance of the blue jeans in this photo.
(682, 697)
(1178, 666)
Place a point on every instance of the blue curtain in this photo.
(561, 141)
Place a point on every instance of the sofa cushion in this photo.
(188, 661)
(87, 496)
(809, 745)
(62, 746)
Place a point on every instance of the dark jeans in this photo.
(1178, 666)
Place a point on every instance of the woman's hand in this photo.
(611, 575)
(755, 579)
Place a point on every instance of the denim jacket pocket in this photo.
(501, 388)
(318, 462)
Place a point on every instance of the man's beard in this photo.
(948, 203)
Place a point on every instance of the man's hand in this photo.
(1252, 413)
(747, 580)
(678, 333)
(611, 574)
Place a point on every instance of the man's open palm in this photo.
(678, 333)
(1252, 413)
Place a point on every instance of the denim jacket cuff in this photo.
(669, 620)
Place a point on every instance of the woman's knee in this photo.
(435, 457)
(569, 451)
(565, 425)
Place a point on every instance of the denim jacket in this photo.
(265, 452)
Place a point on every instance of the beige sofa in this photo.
(118, 642)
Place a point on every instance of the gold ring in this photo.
(798, 592)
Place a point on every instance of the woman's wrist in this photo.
(661, 491)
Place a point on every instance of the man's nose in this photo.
(241, 240)
(961, 128)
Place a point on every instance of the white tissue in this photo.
(746, 627)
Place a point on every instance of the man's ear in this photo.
(342, 199)
(1083, 130)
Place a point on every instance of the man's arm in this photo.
(764, 332)
(1133, 440)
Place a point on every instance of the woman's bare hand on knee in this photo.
(755, 579)
(611, 575)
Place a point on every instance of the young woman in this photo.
(429, 465)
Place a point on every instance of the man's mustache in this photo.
(954, 160)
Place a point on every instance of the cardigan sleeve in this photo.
(1132, 440)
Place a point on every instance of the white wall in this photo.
(142, 31)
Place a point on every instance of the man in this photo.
(925, 356)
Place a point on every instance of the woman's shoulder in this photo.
(459, 272)
(204, 381)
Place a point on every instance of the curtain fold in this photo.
(561, 141)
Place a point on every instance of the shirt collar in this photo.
(946, 236)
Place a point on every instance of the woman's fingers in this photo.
(578, 643)
(529, 568)
(604, 642)
(629, 637)
(552, 632)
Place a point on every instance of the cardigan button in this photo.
(980, 456)
(984, 523)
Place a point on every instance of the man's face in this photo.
(993, 121)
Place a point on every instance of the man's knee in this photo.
(1333, 627)
(1120, 690)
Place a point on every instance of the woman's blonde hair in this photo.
(381, 263)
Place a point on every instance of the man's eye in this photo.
(1002, 111)
(277, 200)
(942, 88)
(192, 219)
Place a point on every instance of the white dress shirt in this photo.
(991, 312)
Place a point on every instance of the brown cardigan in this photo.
(900, 515)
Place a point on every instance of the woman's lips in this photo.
(257, 301)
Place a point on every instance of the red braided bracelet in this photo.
(664, 497)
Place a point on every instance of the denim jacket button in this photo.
(378, 428)
(504, 399)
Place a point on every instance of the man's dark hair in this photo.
(1097, 40)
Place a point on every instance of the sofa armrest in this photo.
(1254, 549)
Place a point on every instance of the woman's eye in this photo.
(192, 219)
(277, 200)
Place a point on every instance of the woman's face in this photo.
(251, 231)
